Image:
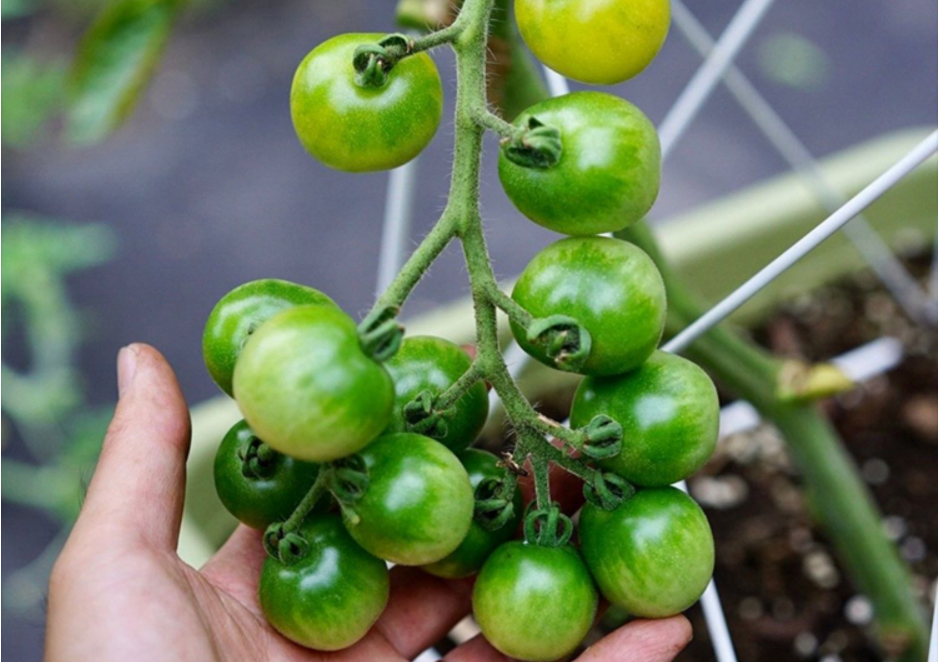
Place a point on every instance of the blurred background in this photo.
(135, 237)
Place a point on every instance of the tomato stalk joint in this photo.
(494, 502)
(566, 342)
(547, 527)
(538, 146)
(373, 62)
(380, 334)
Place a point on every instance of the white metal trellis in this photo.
(708, 76)
(806, 244)
(890, 271)
(718, 66)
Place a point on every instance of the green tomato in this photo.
(653, 555)
(534, 603)
(307, 389)
(418, 504)
(611, 287)
(429, 363)
(264, 491)
(239, 313)
(358, 128)
(609, 170)
(670, 417)
(329, 598)
(479, 543)
(602, 42)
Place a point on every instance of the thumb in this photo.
(136, 494)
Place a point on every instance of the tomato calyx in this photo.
(547, 527)
(565, 341)
(607, 490)
(380, 334)
(602, 438)
(284, 545)
(348, 481)
(494, 502)
(258, 460)
(538, 146)
(422, 416)
(373, 62)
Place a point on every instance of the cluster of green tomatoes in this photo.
(355, 450)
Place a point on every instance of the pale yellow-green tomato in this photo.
(601, 42)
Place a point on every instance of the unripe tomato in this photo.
(356, 127)
(594, 41)
(428, 363)
(329, 598)
(609, 170)
(653, 555)
(266, 490)
(611, 287)
(534, 603)
(418, 504)
(670, 417)
(239, 313)
(307, 389)
(479, 543)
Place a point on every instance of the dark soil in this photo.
(785, 594)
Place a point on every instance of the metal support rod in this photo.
(398, 208)
(805, 245)
(933, 643)
(701, 86)
(867, 241)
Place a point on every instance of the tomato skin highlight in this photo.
(330, 598)
(427, 362)
(241, 312)
(611, 287)
(307, 389)
(609, 170)
(601, 42)
(479, 543)
(418, 505)
(259, 500)
(670, 417)
(534, 603)
(357, 128)
(653, 555)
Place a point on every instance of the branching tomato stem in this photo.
(492, 122)
(467, 380)
(309, 501)
(515, 311)
(462, 218)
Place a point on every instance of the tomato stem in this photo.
(306, 505)
(492, 122)
(515, 311)
(447, 35)
(467, 380)
(462, 218)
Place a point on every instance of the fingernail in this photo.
(126, 368)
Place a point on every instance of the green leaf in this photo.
(115, 61)
(34, 92)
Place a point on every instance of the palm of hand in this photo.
(120, 592)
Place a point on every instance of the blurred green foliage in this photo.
(115, 61)
(43, 403)
(34, 91)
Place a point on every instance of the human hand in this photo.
(119, 592)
